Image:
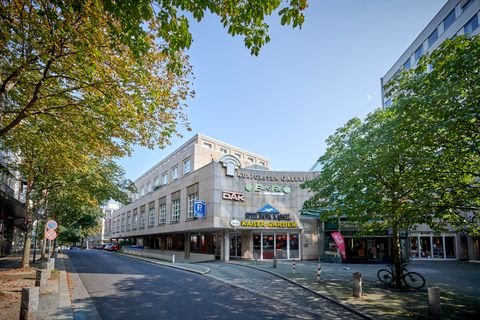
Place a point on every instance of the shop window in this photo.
(425, 247)
(437, 247)
(450, 251)
(294, 251)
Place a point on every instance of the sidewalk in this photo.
(459, 301)
(53, 300)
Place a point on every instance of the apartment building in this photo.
(456, 17)
(247, 210)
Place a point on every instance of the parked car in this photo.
(99, 247)
(111, 247)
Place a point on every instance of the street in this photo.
(125, 288)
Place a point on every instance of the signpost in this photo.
(51, 235)
(199, 209)
(52, 224)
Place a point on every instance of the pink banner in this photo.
(337, 236)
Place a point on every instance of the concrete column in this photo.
(187, 246)
(41, 278)
(29, 304)
(226, 245)
(357, 284)
(434, 307)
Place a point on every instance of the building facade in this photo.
(212, 198)
(456, 17)
(12, 208)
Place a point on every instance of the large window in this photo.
(432, 38)
(129, 221)
(151, 214)
(406, 65)
(449, 20)
(141, 222)
(192, 192)
(471, 25)
(419, 52)
(176, 210)
(162, 213)
(135, 219)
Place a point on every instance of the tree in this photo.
(112, 68)
(415, 163)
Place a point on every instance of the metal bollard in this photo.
(293, 266)
(434, 307)
(255, 256)
(275, 261)
(319, 271)
(357, 284)
(173, 258)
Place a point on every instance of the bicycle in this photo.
(410, 279)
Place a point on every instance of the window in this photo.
(149, 187)
(141, 222)
(176, 210)
(471, 25)
(123, 225)
(118, 225)
(142, 191)
(129, 221)
(175, 173)
(419, 52)
(224, 150)
(151, 213)
(164, 178)
(388, 103)
(250, 159)
(466, 5)
(186, 166)
(208, 145)
(432, 38)
(238, 155)
(262, 163)
(156, 182)
(192, 192)
(406, 65)
(449, 20)
(162, 211)
(135, 219)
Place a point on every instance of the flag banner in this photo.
(337, 236)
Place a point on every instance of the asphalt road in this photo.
(125, 288)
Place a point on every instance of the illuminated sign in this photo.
(267, 188)
(234, 196)
(267, 212)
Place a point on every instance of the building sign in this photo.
(260, 177)
(199, 209)
(267, 212)
(267, 189)
(234, 196)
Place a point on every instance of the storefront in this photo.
(431, 246)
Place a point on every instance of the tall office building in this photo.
(457, 17)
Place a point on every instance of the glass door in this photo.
(235, 246)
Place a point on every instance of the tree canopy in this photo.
(415, 162)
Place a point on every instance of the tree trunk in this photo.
(29, 225)
(396, 257)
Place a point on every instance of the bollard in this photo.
(255, 256)
(173, 258)
(29, 304)
(293, 266)
(41, 278)
(357, 284)
(434, 307)
(319, 271)
(52, 264)
(274, 261)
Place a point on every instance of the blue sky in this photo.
(304, 85)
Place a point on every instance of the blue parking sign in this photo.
(199, 209)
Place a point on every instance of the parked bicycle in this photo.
(410, 279)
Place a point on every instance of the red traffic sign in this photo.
(51, 235)
(52, 224)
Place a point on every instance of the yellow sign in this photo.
(268, 224)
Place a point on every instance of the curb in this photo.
(166, 264)
(341, 304)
